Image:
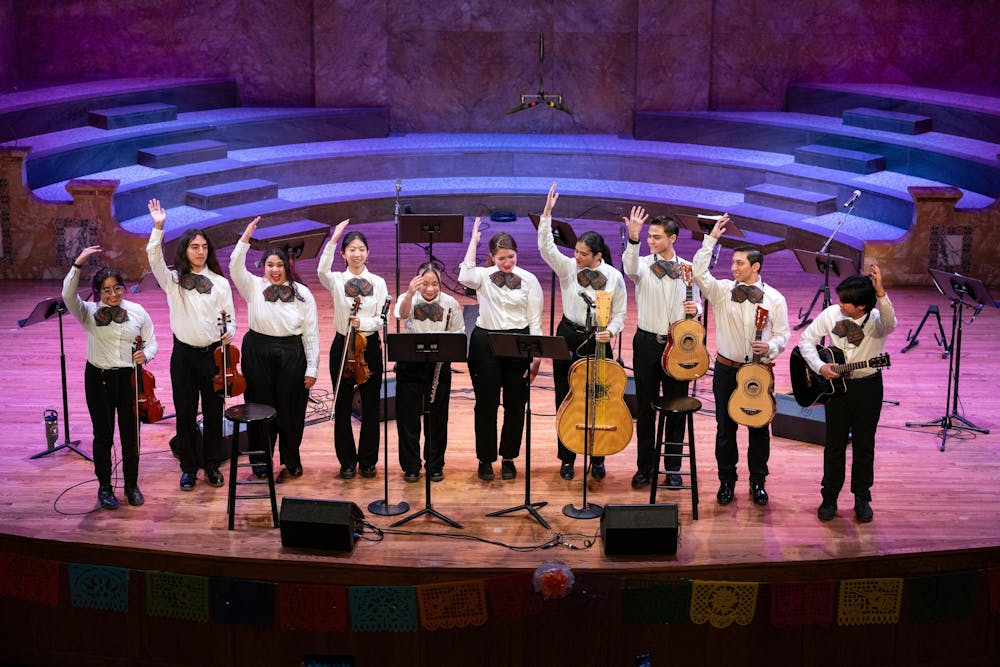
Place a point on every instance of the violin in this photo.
(353, 366)
(228, 381)
(148, 408)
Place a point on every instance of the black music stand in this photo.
(44, 310)
(962, 291)
(525, 346)
(302, 239)
(430, 227)
(565, 237)
(822, 264)
(427, 348)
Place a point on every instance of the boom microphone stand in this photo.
(382, 506)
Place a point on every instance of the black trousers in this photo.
(274, 368)
(726, 453)
(853, 416)
(109, 393)
(413, 390)
(191, 373)
(490, 376)
(365, 453)
(651, 383)
(575, 337)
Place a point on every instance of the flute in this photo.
(438, 365)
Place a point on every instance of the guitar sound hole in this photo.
(752, 388)
(688, 343)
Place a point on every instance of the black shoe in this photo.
(827, 511)
(260, 471)
(863, 511)
(214, 477)
(348, 473)
(437, 475)
(725, 494)
(566, 471)
(106, 497)
(485, 471)
(134, 496)
(597, 470)
(507, 469)
(758, 493)
(411, 477)
(640, 479)
(294, 471)
(368, 471)
(188, 480)
(674, 481)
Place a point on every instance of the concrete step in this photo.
(842, 159)
(805, 202)
(187, 152)
(231, 194)
(137, 114)
(888, 121)
(302, 238)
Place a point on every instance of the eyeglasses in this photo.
(117, 290)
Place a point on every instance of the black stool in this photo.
(251, 413)
(664, 407)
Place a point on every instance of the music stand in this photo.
(44, 310)
(525, 346)
(427, 348)
(301, 239)
(428, 227)
(565, 237)
(703, 224)
(962, 291)
(822, 264)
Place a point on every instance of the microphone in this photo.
(385, 310)
(854, 196)
(979, 309)
(586, 297)
(399, 185)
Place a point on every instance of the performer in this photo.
(588, 271)
(425, 309)
(735, 305)
(280, 351)
(112, 324)
(858, 325)
(660, 297)
(358, 281)
(197, 295)
(510, 301)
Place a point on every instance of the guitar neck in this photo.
(847, 368)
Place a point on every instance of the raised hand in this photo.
(550, 201)
(474, 241)
(251, 228)
(85, 253)
(720, 226)
(635, 220)
(876, 276)
(339, 230)
(158, 212)
(415, 284)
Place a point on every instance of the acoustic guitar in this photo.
(685, 357)
(752, 403)
(593, 418)
(810, 388)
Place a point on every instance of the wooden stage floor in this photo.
(933, 509)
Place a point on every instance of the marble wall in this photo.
(453, 66)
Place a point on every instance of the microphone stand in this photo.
(587, 510)
(395, 217)
(623, 234)
(381, 506)
(825, 289)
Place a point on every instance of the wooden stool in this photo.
(251, 413)
(685, 405)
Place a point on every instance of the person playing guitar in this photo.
(858, 325)
(662, 299)
(736, 311)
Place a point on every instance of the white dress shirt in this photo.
(876, 329)
(502, 308)
(277, 318)
(370, 312)
(109, 346)
(194, 317)
(456, 323)
(734, 322)
(660, 301)
(565, 268)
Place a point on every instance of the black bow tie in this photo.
(592, 278)
(428, 311)
(662, 267)
(750, 293)
(274, 292)
(511, 280)
(358, 286)
(193, 281)
(105, 315)
(850, 330)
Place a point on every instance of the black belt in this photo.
(208, 348)
(277, 340)
(661, 339)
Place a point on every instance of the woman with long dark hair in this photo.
(280, 351)
(355, 281)
(112, 324)
(197, 295)
(510, 301)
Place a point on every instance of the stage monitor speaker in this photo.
(320, 524)
(639, 529)
(797, 423)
